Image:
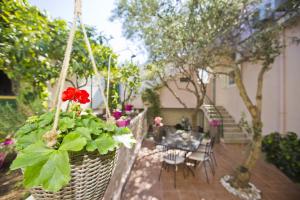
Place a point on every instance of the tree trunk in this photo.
(242, 175)
(195, 114)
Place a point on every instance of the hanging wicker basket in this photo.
(90, 175)
(90, 172)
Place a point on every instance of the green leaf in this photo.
(73, 142)
(46, 119)
(55, 173)
(25, 141)
(31, 175)
(105, 143)
(66, 123)
(31, 155)
(91, 146)
(84, 132)
(110, 127)
(25, 129)
(121, 131)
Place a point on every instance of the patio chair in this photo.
(211, 154)
(203, 158)
(172, 157)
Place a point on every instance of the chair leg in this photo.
(162, 166)
(204, 163)
(183, 170)
(215, 160)
(175, 166)
(212, 169)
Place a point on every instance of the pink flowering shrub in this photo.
(157, 121)
(215, 122)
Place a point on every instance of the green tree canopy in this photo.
(32, 45)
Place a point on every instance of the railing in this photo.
(210, 102)
(126, 158)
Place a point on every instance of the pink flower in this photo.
(123, 122)
(215, 123)
(8, 141)
(117, 114)
(157, 121)
(128, 107)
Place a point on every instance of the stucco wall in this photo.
(281, 92)
(173, 116)
(169, 101)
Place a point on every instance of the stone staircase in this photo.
(232, 133)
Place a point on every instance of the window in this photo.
(203, 74)
(231, 78)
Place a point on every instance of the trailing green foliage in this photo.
(50, 167)
(284, 152)
(151, 97)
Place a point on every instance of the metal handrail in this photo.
(221, 128)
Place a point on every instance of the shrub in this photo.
(284, 152)
(150, 96)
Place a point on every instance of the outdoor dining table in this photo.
(182, 140)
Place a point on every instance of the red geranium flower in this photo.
(73, 94)
(69, 94)
(82, 96)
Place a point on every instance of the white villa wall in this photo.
(172, 110)
(281, 92)
(169, 101)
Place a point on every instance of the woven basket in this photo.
(90, 175)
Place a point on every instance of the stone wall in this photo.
(126, 158)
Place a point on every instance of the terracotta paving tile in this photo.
(171, 195)
(143, 182)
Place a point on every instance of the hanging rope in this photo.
(51, 136)
(108, 76)
(87, 42)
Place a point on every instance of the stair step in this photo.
(218, 113)
(231, 129)
(229, 135)
(225, 125)
(236, 141)
(228, 120)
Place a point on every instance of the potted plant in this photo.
(214, 128)
(158, 132)
(78, 162)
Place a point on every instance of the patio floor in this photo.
(143, 182)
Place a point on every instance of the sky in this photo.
(96, 13)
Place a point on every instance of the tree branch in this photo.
(172, 91)
(71, 82)
(259, 90)
(243, 93)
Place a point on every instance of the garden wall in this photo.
(126, 159)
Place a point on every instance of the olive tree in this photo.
(170, 32)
